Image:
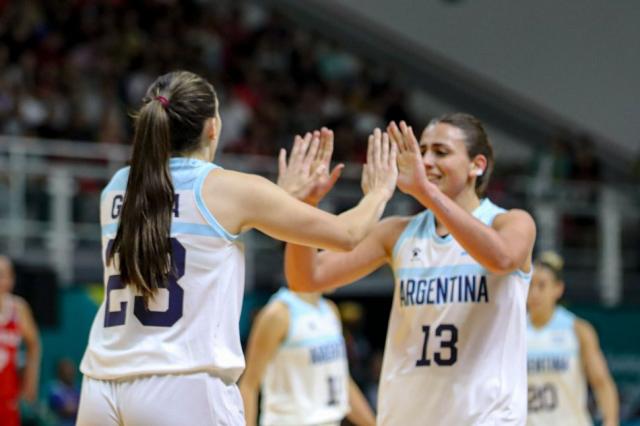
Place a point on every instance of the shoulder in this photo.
(388, 230)
(334, 308)
(275, 313)
(515, 217)
(586, 333)
(20, 304)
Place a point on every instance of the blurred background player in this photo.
(563, 356)
(297, 352)
(455, 351)
(16, 325)
(296, 348)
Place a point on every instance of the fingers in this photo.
(282, 161)
(410, 142)
(396, 135)
(299, 150)
(385, 148)
(326, 146)
(335, 174)
(313, 150)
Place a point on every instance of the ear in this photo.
(478, 165)
(211, 128)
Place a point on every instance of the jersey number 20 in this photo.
(146, 316)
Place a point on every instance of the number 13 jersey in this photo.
(455, 352)
(192, 324)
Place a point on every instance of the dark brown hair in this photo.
(476, 141)
(169, 123)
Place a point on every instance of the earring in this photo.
(479, 172)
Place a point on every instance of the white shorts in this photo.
(163, 400)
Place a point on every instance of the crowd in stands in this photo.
(76, 69)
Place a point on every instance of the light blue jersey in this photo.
(190, 326)
(455, 352)
(557, 382)
(306, 382)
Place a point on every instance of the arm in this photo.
(268, 332)
(361, 413)
(306, 269)
(254, 202)
(31, 339)
(501, 248)
(597, 372)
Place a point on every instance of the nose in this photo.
(428, 159)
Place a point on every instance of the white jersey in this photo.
(557, 382)
(455, 352)
(306, 383)
(192, 325)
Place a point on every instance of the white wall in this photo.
(577, 58)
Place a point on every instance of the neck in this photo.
(541, 317)
(468, 200)
(312, 298)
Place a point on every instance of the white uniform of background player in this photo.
(306, 382)
(557, 381)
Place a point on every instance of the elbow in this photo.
(502, 265)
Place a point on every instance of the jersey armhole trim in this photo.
(204, 210)
(414, 222)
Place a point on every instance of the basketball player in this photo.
(563, 355)
(297, 352)
(16, 325)
(455, 352)
(164, 348)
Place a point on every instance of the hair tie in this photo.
(164, 101)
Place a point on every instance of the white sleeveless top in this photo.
(192, 325)
(455, 351)
(557, 382)
(306, 383)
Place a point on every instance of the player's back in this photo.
(192, 324)
(455, 351)
(306, 382)
(557, 384)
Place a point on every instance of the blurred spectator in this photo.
(74, 70)
(64, 394)
(358, 347)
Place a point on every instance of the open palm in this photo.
(411, 173)
(306, 175)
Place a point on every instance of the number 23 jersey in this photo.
(455, 351)
(192, 324)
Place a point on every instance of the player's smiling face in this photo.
(446, 159)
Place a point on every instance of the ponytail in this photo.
(142, 240)
(170, 122)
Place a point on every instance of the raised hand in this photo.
(323, 180)
(380, 172)
(306, 176)
(411, 172)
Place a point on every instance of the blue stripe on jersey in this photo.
(532, 353)
(464, 269)
(316, 341)
(117, 183)
(176, 228)
(204, 211)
